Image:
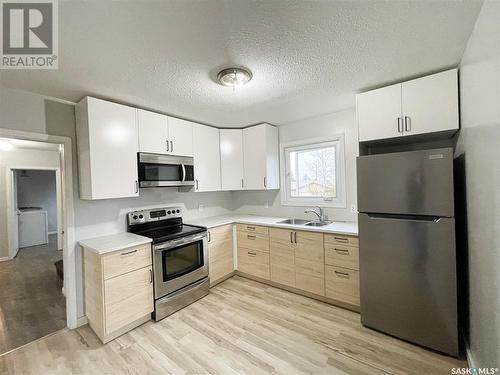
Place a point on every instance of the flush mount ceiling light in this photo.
(234, 77)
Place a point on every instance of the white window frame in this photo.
(340, 200)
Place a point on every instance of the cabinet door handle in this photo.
(265, 182)
(341, 239)
(250, 237)
(407, 123)
(251, 254)
(345, 275)
(130, 252)
(250, 228)
(136, 186)
(150, 276)
(242, 184)
(295, 237)
(196, 184)
(168, 146)
(171, 146)
(291, 237)
(209, 236)
(400, 125)
(341, 251)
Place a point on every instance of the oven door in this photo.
(157, 170)
(179, 262)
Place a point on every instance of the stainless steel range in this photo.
(180, 257)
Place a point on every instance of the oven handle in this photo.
(181, 241)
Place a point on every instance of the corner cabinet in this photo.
(420, 106)
(107, 142)
(206, 158)
(231, 159)
(260, 158)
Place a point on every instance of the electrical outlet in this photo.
(353, 208)
(201, 207)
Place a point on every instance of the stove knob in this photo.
(178, 211)
(169, 212)
(141, 216)
(134, 217)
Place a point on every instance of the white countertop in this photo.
(347, 228)
(114, 242)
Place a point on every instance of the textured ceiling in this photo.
(307, 57)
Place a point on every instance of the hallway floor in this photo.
(31, 301)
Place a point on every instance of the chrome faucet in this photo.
(319, 213)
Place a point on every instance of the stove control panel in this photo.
(155, 214)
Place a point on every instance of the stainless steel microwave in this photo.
(156, 170)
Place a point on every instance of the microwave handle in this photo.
(183, 177)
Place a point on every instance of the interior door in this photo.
(430, 104)
(379, 113)
(408, 279)
(153, 132)
(414, 182)
(180, 136)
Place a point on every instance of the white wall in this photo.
(480, 140)
(19, 158)
(37, 188)
(269, 203)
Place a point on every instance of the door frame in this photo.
(67, 214)
(11, 204)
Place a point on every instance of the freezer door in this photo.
(408, 279)
(414, 182)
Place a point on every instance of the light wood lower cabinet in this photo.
(342, 284)
(118, 290)
(220, 253)
(282, 256)
(253, 250)
(310, 262)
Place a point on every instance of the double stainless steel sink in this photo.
(309, 223)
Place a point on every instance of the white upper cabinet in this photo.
(260, 157)
(379, 113)
(180, 137)
(153, 132)
(231, 159)
(206, 158)
(430, 104)
(107, 140)
(424, 105)
(161, 134)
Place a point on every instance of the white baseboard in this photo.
(81, 321)
(3, 259)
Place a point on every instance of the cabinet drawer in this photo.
(128, 298)
(282, 258)
(120, 262)
(253, 241)
(253, 262)
(340, 239)
(253, 229)
(342, 284)
(310, 276)
(220, 234)
(342, 256)
(220, 259)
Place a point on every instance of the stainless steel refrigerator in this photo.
(407, 246)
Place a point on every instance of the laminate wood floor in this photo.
(242, 327)
(31, 301)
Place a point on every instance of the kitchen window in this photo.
(314, 173)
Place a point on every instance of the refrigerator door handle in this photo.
(434, 219)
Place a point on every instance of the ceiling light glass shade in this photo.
(5, 145)
(234, 77)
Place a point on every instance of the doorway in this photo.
(32, 300)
